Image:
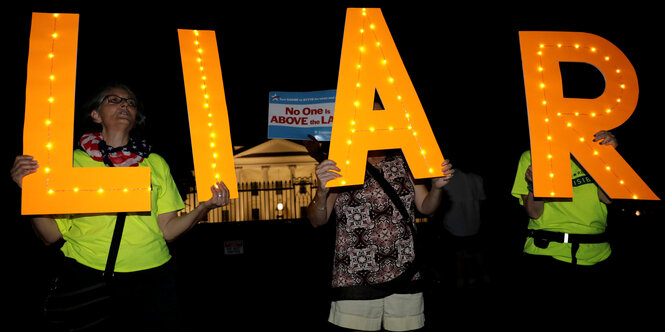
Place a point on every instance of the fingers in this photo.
(600, 136)
(447, 168)
(325, 172)
(327, 165)
(604, 137)
(220, 195)
(448, 171)
(23, 165)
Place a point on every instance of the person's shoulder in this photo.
(525, 156)
(156, 160)
(155, 157)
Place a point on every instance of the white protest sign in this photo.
(294, 115)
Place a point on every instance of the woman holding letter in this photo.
(139, 287)
(375, 271)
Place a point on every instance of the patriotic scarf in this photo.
(124, 156)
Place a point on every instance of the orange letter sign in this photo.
(370, 62)
(58, 187)
(208, 117)
(562, 126)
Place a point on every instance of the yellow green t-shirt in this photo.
(583, 214)
(88, 236)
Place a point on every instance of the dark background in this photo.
(464, 62)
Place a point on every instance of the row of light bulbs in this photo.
(569, 124)
(361, 50)
(206, 104)
(48, 122)
(51, 99)
(384, 61)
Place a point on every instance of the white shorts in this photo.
(397, 312)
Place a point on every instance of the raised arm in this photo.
(534, 206)
(428, 201)
(45, 227)
(320, 208)
(173, 226)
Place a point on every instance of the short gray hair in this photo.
(98, 99)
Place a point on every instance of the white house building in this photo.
(276, 180)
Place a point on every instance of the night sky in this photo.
(464, 61)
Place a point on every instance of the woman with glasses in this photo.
(143, 282)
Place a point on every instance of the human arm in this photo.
(605, 138)
(428, 201)
(603, 197)
(320, 208)
(173, 226)
(534, 206)
(45, 227)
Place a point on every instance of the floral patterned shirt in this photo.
(373, 245)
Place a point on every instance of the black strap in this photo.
(390, 191)
(115, 245)
(402, 284)
(572, 238)
(542, 239)
(573, 252)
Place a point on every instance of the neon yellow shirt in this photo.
(88, 236)
(584, 214)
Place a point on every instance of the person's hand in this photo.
(604, 137)
(528, 175)
(23, 165)
(220, 196)
(324, 173)
(448, 171)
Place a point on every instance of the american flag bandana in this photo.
(124, 156)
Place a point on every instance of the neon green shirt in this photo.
(584, 214)
(88, 236)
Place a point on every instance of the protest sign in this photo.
(294, 115)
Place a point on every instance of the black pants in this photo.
(545, 272)
(141, 301)
(549, 288)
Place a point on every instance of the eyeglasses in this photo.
(113, 99)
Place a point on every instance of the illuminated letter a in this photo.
(371, 63)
